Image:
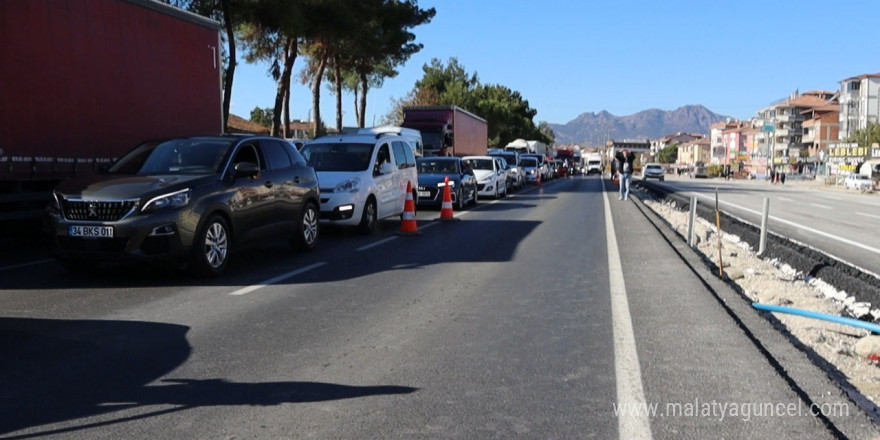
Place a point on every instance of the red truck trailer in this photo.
(448, 130)
(81, 82)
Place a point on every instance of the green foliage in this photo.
(262, 116)
(713, 170)
(867, 136)
(509, 116)
(669, 154)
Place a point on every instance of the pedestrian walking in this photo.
(624, 159)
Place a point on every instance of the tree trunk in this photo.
(316, 95)
(230, 68)
(362, 112)
(338, 83)
(282, 95)
(357, 110)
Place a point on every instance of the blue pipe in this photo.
(836, 319)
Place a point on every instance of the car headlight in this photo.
(177, 199)
(350, 185)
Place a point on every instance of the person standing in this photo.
(625, 159)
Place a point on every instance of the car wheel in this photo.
(307, 229)
(368, 218)
(474, 199)
(211, 247)
(459, 199)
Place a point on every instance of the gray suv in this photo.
(191, 200)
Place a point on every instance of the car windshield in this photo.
(481, 164)
(510, 158)
(180, 156)
(529, 162)
(433, 166)
(338, 157)
(654, 167)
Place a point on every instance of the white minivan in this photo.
(362, 178)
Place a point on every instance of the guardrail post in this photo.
(691, 220)
(765, 214)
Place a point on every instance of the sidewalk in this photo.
(701, 343)
(820, 183)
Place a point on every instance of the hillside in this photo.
(592, 129)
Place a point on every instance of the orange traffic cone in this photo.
(408, 225)
(446, 213)
(538, 181)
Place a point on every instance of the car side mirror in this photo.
(246, 169)
(386, 168)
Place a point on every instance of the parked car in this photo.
(514, 172)
(860, 182)
(505, 171)
(432, 174)
(363, 177)
(543, 165)
(491, 179)
(653, 171)
(530, 168)
(192, 200)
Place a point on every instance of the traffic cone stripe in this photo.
(446, 208)
(408, 224)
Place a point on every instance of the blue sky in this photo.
(568, 57)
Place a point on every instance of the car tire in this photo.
(368, 217)
(475, 198)
(210, 250)
(459, 199)
(307, 229)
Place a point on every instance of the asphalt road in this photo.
(840, 223)
(536, 316)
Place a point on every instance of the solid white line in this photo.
(249, 289)
(32, 263)
(820, 206)
(796, 225)
(868, 215)
(785, 199)
(630, 392)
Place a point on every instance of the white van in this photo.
(362, 178)
(870, 168)
(412, 135)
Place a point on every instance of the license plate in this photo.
(424, 194)
(91, 231)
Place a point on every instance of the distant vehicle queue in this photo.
(194, 201)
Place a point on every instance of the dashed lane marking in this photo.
(269, 282)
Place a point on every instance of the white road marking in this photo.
(32, 263)
(820, 206)
(785, 199)
(796, 225)
(868, 215)
(374, 244)
(249, 289)
(630, 391)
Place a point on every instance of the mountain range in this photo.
(593, 129)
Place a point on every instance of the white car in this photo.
(860, 182)
(530, 168)
(491, 177)
(363, 178)
(653, 171)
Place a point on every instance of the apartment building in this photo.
(783, 121)
(719, 152)
(859, 103)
